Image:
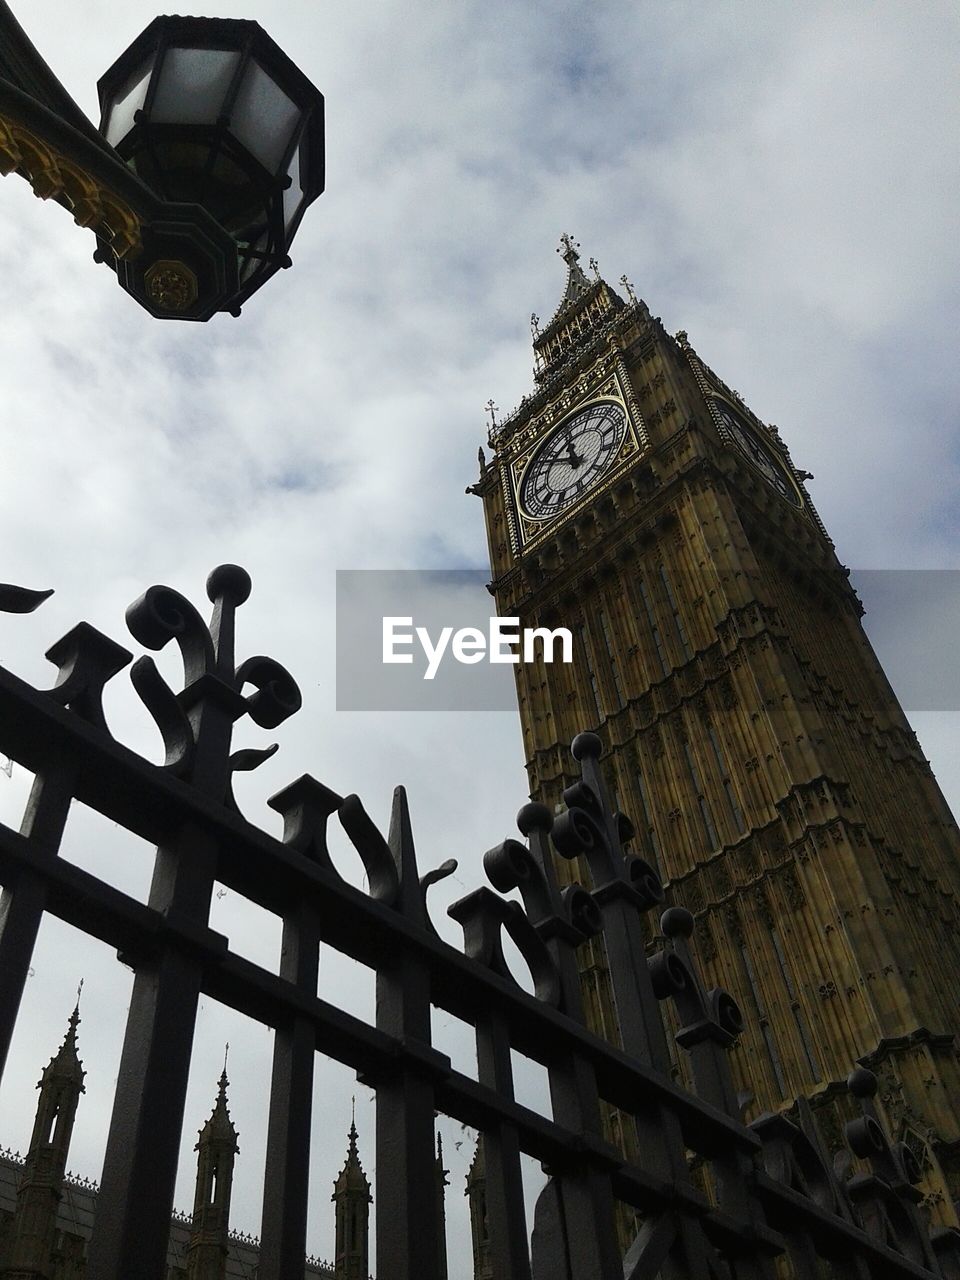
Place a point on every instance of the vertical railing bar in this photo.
(585, 1194)
(140, 1164)
(501, 1148)
(408, 1221)
(283, 1228)
(22, 907)
(658, 1130)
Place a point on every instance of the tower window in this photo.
(678, 627)
(54, 1114)
(652, 843)
(610, 783)
(611, 659)
(591, 676)
(668, 1017)
(764, 1022)
(799, 1018)
(703, 803)
(651, 619)
(736, 813)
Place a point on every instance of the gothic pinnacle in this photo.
(568, 249)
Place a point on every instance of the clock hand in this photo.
(573, 458)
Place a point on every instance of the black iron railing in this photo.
(774, 1191)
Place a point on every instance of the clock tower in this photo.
(748, 729)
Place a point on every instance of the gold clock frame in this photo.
(614, 389)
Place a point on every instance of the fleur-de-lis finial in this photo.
(629, 288)
(491, 408)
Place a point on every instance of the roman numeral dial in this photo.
(572, 459)
(760, 454)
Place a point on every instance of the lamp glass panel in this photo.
(293, 195)
(254, 264)
(263, 117)
(193, 85)
(128, 100)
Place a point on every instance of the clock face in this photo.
(572, 459)
(760, 454)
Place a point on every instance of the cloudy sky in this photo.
(779, 180)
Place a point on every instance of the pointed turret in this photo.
(585, 309)
(577, 282)
(351, 1195)
(217, 1149)
(41, 1187)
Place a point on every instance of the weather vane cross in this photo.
(629, 288)
(491, 408)
(568, 246)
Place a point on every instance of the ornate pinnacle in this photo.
(629, 288)
(535, 325)
(595, 268)
(352, 1150)
(75, 1016)
(568, 249)
(70, 1039)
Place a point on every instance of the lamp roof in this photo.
(229, 33)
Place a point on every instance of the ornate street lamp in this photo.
(211, 112)
(211, 148)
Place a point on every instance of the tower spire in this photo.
(34, 1223)
(583, 312)
(577, 282)
(217, 1149)
(352, 1198)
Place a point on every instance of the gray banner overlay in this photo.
(912, 619)
(433, 599)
